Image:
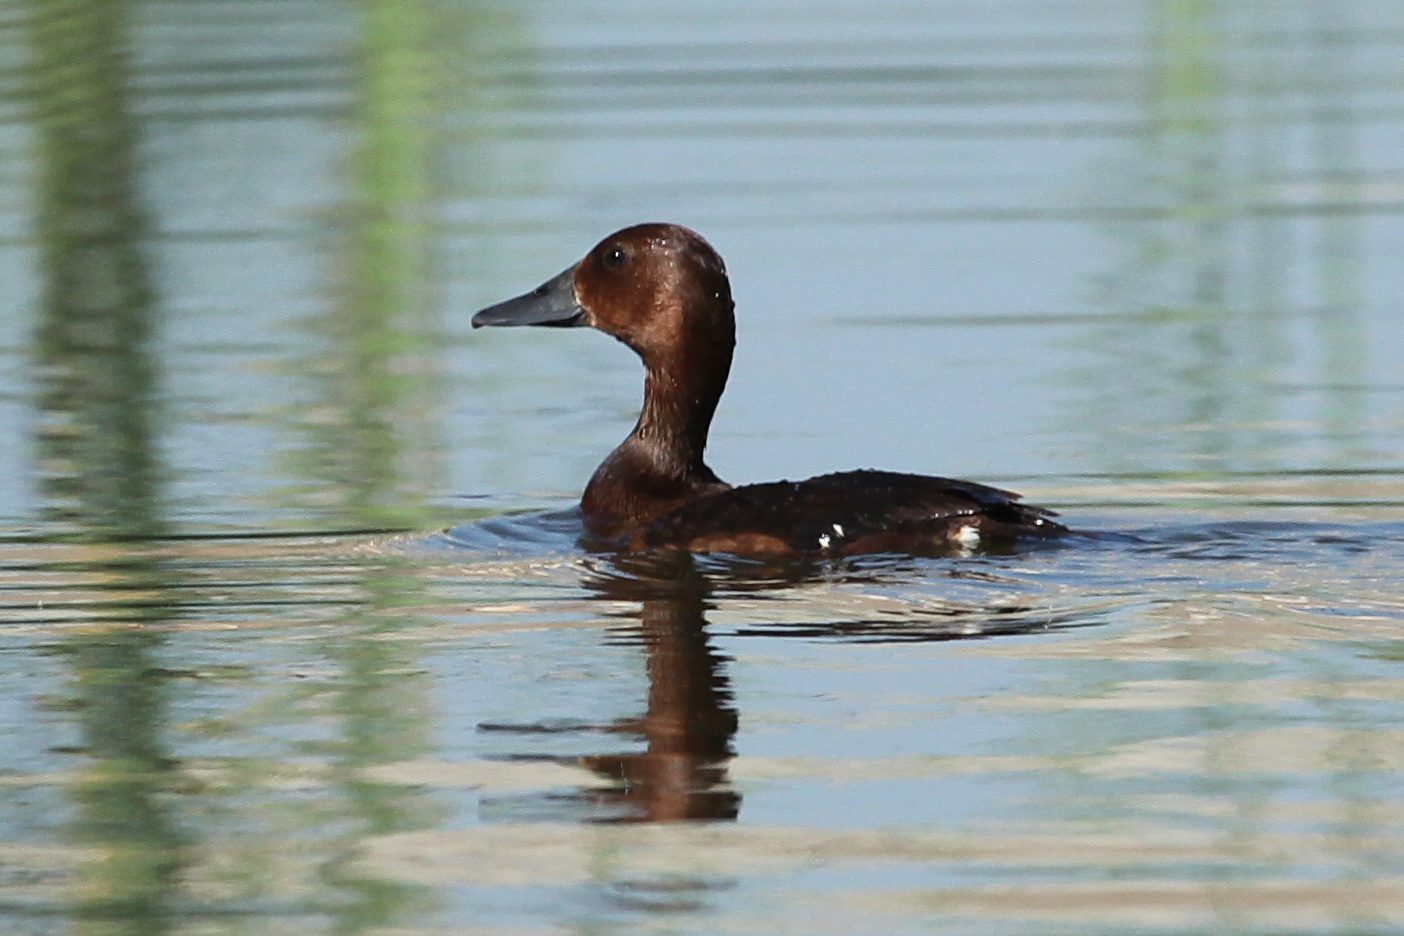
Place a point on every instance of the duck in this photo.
(663, 291)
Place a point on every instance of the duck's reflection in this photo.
(690, 722)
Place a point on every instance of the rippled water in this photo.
(1175, 722)
(296, 634)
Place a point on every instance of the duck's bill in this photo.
(551, 303)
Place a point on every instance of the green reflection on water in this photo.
(371, 460)
(99, 456)
(380, 698)
(96, 431)
(371, 456)
(136, 809)
(1204, 295)
(377, 451)
(1336, 321)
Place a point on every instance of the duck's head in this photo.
(659, 288)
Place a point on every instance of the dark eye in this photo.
(614, 257)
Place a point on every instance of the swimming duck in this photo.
(662, 290)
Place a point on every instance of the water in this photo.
(296, 635)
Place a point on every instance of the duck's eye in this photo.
(615, 257)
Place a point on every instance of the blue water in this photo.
(297, 632)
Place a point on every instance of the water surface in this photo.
(297, 635)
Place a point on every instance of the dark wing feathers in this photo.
(821, 514)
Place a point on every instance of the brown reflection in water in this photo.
(690, 722)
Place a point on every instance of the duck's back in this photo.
(849, 513)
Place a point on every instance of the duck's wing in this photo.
(849, 513)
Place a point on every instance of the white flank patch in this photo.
(968, 536)
(823, 541)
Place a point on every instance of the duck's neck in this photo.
(659, 466)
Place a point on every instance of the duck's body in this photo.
(663, 291)
(845, 514)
